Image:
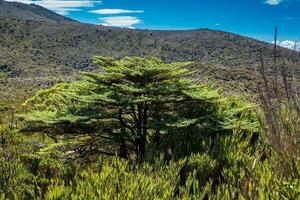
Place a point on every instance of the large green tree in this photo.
(134, 100)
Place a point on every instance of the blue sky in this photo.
(254, 18)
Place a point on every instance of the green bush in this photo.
(15, 179)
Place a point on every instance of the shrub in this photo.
(15, 180)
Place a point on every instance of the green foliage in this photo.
(141, 183)
(117, 179)
(230, 171)
(2, 107)
(137, 102)
(3, 76)
(15, 180)
(194, 143)
(56, 192)
(24, 175)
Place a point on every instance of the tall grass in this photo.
(281, 118)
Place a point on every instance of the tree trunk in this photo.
(123, 150)
(144, 133)
(141, 131)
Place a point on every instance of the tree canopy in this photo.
(135, 101)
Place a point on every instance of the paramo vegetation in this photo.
(141, 129)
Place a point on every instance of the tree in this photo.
(135, 100)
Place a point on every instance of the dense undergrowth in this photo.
(195, 143)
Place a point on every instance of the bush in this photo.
(15, 180)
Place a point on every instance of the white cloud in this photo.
(65, 11)
(122, 21)
(61, 6)
(273, 2)
(114, 11)
(21, 1)
(290, 44)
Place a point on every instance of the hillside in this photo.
(29, 12)
(97, 112)
(38, 48)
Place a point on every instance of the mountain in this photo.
(39, 48)
(29, 12)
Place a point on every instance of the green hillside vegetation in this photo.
(137, 102)
(142, 129)
(38, 53)
(158, 115)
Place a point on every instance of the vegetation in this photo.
(142, 130)
(137, 102)
(39, 49)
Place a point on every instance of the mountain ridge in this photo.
(37, 53)
(29, 12)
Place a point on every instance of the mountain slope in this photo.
(37, 53)
(29, 12)
(73, 44)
